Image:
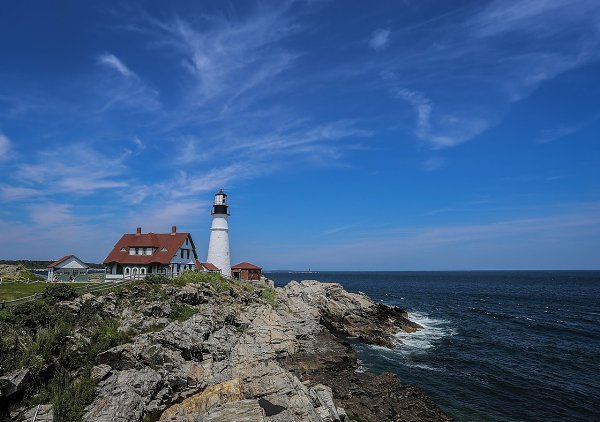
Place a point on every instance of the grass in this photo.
(42, 337)
(269, 294)
(17, 290)
(181, 312)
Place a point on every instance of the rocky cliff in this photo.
(202, 348)
(240, 358)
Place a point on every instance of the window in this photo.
(182, 253)
(188, 253)
(137, 251)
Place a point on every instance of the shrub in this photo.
(180, 312)
(57, 292)
(69, 395)
(104, 336)
(32, 315)
(157, 279)
(216, 280)
(269, 294)
(25, 274)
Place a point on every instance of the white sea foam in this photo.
(421, 341)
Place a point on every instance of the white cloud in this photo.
(50, 214)
(86, 171)
(160, 216)
(447, 130)
(128, 89)
(461, 74)
(113, 62)
(139, 144)
(15, 193)
(229, 58)
(380, 39)
(5, 146)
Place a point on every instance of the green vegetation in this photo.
(269, 294)
(11, 291)
(181, 312)
(57, 292)
(157, 279)
(216, 281)
(41, 336)
(59, 347)
(25, 274)
(16, 290)
(69, 395)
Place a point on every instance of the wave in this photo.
(419, 342)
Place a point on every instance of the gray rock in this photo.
(14, 383)
(41, 413)
(100, 372)
(237, 359)
(158, 309)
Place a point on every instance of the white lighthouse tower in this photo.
(218, 246)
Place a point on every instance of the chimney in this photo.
(173, 229)
(138, 231)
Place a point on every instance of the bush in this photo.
(216, 280)
(57, 292)
(269, 294)
(31, 315)
(157, 279)
(180, 312)
(25, 274)
(104, 336)
(69, 395)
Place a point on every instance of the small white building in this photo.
(68, 268)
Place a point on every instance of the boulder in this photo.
(14, 383)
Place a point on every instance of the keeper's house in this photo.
(138, 254)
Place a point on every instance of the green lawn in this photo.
(11, 291)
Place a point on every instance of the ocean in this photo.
(496, 345)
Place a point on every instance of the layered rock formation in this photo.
(240, 358)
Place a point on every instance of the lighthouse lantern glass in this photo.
(220, 199)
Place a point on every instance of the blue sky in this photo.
(397, 135)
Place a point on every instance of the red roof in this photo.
(167, 241)
(210, 267)
(63, 259)
(245, 266)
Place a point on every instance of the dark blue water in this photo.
(497, 346)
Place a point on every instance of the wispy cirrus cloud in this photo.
(227, 57)
(446, 130)
(380, 38)
(127, 89)
(505, 49)
(5, 147)
(86, 171)
(113, 62)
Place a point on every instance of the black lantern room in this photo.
(220, 206)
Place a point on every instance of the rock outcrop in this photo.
(239, 358)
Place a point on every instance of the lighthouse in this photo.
(218, 246)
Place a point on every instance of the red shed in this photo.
(246, 271)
